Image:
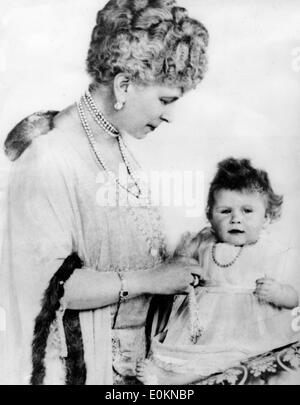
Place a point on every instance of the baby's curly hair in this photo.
(240, 175)
(152, 41)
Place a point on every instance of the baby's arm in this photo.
(193, 246)
(281, 295)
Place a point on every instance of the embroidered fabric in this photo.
(54, 342)
(277, 367)
(128, 347)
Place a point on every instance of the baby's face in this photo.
(238, 217)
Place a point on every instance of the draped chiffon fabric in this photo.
(55, 207)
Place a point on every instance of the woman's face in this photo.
(238, 217)
(146, 107)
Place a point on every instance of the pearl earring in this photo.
(119, 105)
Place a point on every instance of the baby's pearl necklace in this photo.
(225, 265)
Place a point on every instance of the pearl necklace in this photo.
(196, 329)
(110, 131)
(100, 159)
(108, 128)
(156, 243)
(226, 265)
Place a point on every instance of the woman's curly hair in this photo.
(152, 41)
(240, 175)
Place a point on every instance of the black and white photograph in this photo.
(150, 192)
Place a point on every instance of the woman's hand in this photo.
(89, 289)
(171, 278)
(273, 292)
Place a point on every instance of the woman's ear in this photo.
(120, 86)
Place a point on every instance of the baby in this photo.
(243, 309)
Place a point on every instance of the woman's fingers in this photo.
(196, 269)
(174, 278)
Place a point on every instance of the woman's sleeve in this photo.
(39, 231)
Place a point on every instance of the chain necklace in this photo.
(226, 265)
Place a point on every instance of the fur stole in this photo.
(74, 362)
(21, 136)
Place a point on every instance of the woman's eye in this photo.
(166, 101)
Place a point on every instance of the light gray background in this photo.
(247, 106)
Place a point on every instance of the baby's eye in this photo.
(248, 210)
(225, 211)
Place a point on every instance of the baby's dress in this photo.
(236, 325)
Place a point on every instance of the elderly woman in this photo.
(79, 318)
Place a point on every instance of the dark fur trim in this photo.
(75, 364)
(76, 370)
(21, 136)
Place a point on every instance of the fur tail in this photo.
(50, 304)
(21, 136)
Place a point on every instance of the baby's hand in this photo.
(273, 292)
(268, 290)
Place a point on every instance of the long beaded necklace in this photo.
(196, 328)
(156, 241)
(110, 131)
(225, 265)
(100, 159)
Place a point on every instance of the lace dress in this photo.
(235, 324)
